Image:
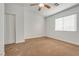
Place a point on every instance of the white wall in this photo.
(29, 24)
(1, 29)
(18, 10)
(34, 24)
(72, 37)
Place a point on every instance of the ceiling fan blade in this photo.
(39, 8)
(34, 4)
(47, 6)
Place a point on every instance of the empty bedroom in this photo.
(41, 29)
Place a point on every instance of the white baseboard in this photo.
(2, 52)
(61, 39)
(34, 36)
(20, 41)
(16, 42)
(9, 43)
(37, 36)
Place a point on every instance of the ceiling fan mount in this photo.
(42, 5)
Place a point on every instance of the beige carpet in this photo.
(42, 47)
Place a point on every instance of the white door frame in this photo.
(14, 23)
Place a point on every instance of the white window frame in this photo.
(63, 26)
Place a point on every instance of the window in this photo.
(67, 23)
(58, 24)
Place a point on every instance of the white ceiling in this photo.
(53, 10)
(47, 12)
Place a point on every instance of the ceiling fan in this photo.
(42, 5)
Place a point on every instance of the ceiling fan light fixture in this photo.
(41, 5)
(56, 4)
(44, 5)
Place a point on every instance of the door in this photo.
(10, 29)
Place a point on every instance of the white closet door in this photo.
(10, 29)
